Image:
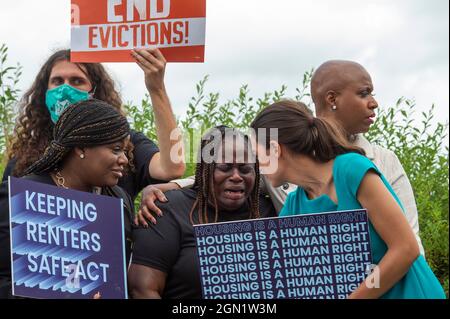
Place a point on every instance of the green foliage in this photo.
(142, 117)
(417, 143)
(9, 77)
(419, 147)
(206, 111)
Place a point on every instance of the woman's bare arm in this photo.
(390, 223)
(146, 282)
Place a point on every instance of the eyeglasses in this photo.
(242, 168)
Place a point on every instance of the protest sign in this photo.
(106, 30)
(65, 243)
(306, 256)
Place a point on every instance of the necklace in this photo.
(60, 180)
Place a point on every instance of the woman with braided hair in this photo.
(87, 153)
(226, 189)
(61, 83)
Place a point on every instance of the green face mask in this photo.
(61, 97)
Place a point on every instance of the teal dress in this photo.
(348, 172)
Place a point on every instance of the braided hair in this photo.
(204, 183)
(84, 124)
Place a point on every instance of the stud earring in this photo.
(334, 107)
(82, 156)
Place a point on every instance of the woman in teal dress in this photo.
(332, 175)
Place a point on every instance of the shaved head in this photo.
(334, 75)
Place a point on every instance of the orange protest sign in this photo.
(106, 30)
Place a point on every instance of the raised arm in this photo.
(390, 223)
(169, 162)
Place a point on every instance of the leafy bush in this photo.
(419, 146)
(9, 77)
(417, 143)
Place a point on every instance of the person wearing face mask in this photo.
(88, 152)
(61, 97)
(61, 83)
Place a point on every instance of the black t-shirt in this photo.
(5, 250)
(144, 150)
(133, 182)
(170, 246)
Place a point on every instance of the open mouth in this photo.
(234, 194)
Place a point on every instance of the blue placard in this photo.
(324, 255)
(65, 243)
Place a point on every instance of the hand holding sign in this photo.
(153, 63)
(106, 30)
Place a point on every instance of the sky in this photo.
(404, 44)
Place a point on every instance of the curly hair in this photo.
(33, 130)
